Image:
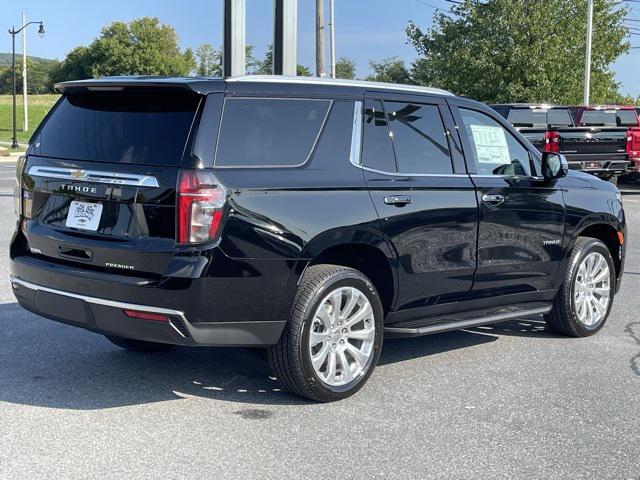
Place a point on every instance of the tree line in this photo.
(495, 51)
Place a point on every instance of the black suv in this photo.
(308, 216)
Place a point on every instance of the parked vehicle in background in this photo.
(534, 121)
(312, 217)
(597, 140)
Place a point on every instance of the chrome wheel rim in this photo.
(341, 336)
(592, 289)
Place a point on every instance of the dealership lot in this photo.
(505, 401)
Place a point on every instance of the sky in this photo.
(365, 29)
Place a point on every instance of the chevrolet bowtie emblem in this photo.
(78, 174)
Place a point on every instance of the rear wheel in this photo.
(138, 346)
(584, 300)
(334, 335)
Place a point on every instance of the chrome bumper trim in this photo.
(103, 301)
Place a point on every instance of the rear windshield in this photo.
(608, 118)
(140, 128)
(528, 117)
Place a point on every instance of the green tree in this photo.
(76, 66)
(515, 51)
(142, 47)
(265, 67)
(209, 61)
(345, 68)
(39, 76)
(390, 70)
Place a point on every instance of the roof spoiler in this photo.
(111, 84)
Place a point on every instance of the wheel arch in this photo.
(366, 251)
(607, 231)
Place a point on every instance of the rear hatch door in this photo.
(593, 144)
(99, 182)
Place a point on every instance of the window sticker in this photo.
(491, 144)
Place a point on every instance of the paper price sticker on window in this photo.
(491, 144)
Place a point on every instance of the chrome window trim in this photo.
(356, 135)
(483, 175)
(398, 174)
(103, 301)
(298, 165)
(94, 176)
(355, 157)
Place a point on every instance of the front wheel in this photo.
(584, 300)
(333, 339)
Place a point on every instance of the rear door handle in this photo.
(493, 199)
(398, 200)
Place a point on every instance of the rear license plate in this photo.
(592, 166)
(84, 215)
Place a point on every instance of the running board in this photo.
(416, 331)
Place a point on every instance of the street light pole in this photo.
(587, 60)
(14, 32)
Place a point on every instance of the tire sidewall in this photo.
(588, 248)
(342, 279)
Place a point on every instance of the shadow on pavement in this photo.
(44, 363)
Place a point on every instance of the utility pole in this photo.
(587, 60)
(332, 37)
(320, 71)
(25, 103)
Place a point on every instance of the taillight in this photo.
(200, 206)
(633, 142)
(17, 188)
(552, 142)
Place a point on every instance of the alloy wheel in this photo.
(341, 337)
(592, 289)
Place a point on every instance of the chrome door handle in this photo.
(493, 199)
(398, 200)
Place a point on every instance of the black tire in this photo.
(563, 319)
(613, 179)
(138, 346)
(291, 359)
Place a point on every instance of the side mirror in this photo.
(554, 166)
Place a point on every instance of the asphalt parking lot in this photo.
(506, 401)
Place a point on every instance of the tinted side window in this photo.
(377, 151)
(494, 150)
(259, 132)
(419, 138)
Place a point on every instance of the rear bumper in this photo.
(229, 310)
(606, 168)
(107, 316)
(634, 165)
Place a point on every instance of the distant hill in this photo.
(5, 58)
